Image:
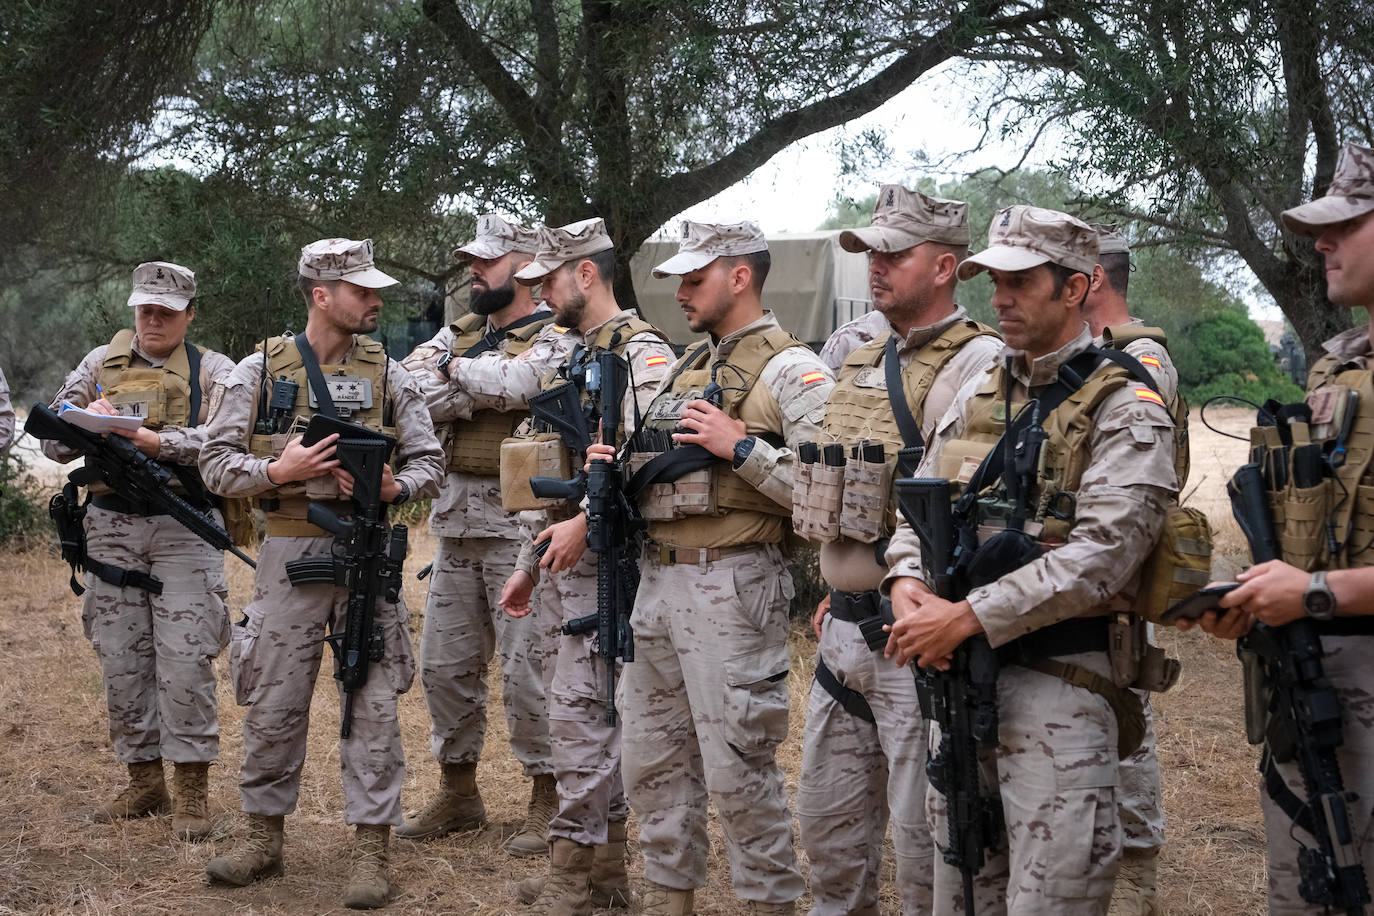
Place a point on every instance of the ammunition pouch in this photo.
(543, 455)
(852, 500)
(1135, 662)
(817, 497)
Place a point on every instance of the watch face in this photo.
(1318, 604)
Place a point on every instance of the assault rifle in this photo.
(613, 522)
(1292, 708)
(367, 555)
(132, 475)
(963, 700)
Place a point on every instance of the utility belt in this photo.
(112, 503)
(693, 556)
(286, 517)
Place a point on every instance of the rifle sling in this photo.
(1289, 803)
(896, 396)
(491, 339)
(852, 701)
(120, 577)
(193, 370)
(324, 403)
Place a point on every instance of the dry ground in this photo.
(56, 762)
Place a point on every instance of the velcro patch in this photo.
(655, 360)
(810, 377)
(1151, 361)
(1146, 394)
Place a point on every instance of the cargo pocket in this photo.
(756, 701)
(398, 659)
(1084, 828)
(243, 640)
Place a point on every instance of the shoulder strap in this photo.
(315, 378)
(896, 396)
(193, 380)
(492, 339)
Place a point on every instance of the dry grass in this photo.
(56, 763)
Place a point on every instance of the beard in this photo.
(491, 301)
(569, 314)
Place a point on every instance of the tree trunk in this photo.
(1302, 297)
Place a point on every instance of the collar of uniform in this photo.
(1045, 369)
(589, 337)
(154, 361)
(1350, 346)
(919, 337)
(761, 325)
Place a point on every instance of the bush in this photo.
(1225, 353)
(24, 520)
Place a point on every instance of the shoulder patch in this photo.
(1145, 394)
(812, 377)
(1151, 361)
(656, 360)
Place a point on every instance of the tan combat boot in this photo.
(190, 800)
(458, 806)
(759, 908)
(610, 886)
(567, 892)
(257, 854)
(1134, 893)
(665, 901)
(367, 884)
(532, 839)
(146, 793)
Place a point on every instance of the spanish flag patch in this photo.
(655, 360)
(1146, 394)
(810, 377)
(1151, 361)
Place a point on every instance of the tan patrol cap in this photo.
(557, 247)
(702, 243)
(1351, 194)
(163, 283)
(1023, 237)
(343, 259)
(495, 237)
(1110, 240)
(903, 219)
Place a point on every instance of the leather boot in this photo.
(610, 886)
(458, 806)
(532, 839)
(1134, 893)
(257, 854)
(367, 884)
(567, 891)
(146, 793)
(665, 901)
(190, 800)
(759, 908)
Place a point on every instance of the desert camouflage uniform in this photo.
(464, 624)
(705, 703)
(1056, 762)
(276, 650)
(6, 414)
(854, 771)
(1346, 665)
(851, 335)
(156, 651)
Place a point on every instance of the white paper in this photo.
(96, 422)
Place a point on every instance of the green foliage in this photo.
(24, 518)
(805, 567)
(1225, 353)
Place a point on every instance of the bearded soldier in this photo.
(705, 702)
(863, 751)
(154, 604)
(1064, 514)
(254, 450)
(478, 545)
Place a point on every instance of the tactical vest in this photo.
(713, 506)
(858, 502)
(160, 395)
(358, 387)
(541, 453)
(1118, 338)
(473, 446)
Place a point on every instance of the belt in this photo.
(676, 556)
(853, 607)
(1067, 637)
(280, 527)
(112, 503)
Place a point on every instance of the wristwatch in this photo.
(742, 449)
(442, 364)
(403, 495)
(1319, 601)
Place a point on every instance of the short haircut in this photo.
(307, 285)
(1061, 276)
(758, 262)
(1117, 266)
(604, 261)
(960, 252)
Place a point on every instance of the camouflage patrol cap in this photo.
(903, 219)
(1110, 240)
(343, 259)
(1023, 237)
(702, 243)
(163, 283)
(1351, 194)
(495, 237)
(557, 247)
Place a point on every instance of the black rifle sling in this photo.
(315, 378)
(850, 699)
(896, 396)
(193, 366)
(490, 339)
